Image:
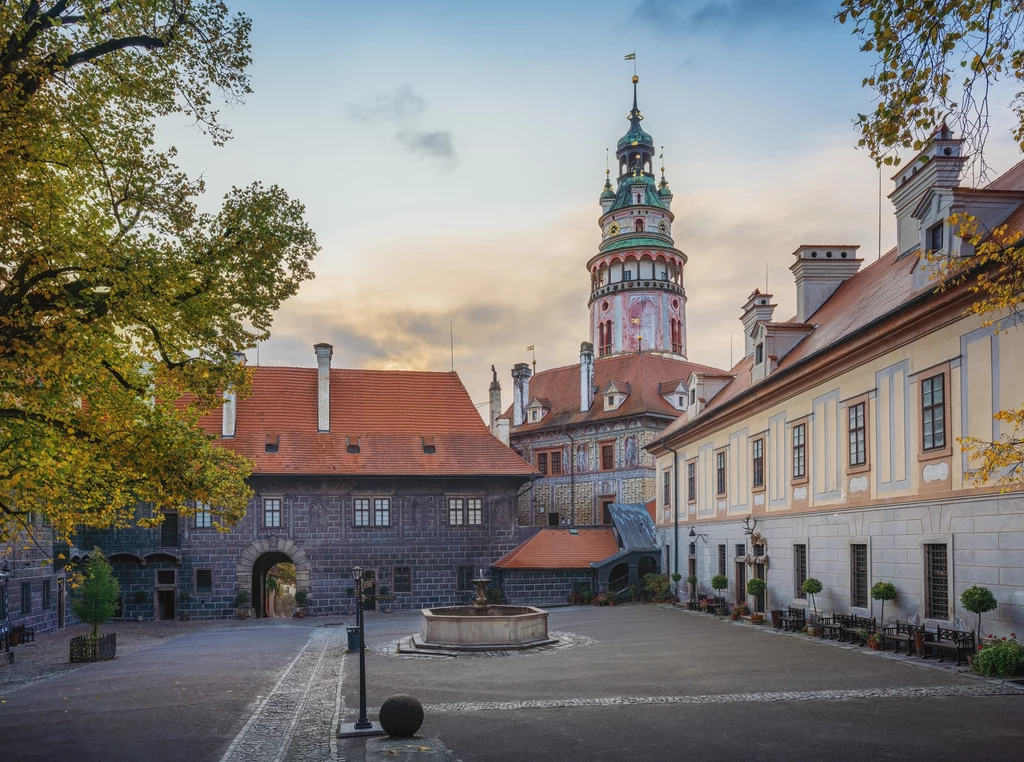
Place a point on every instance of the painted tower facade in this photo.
(637, 299)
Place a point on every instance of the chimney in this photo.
(586, 376)
(819, 271)
(520, 392)
(937, 166)
(501, 430)
(758, 309)
(494, 399)
(229, 409)
(324, 353)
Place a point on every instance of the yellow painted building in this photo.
(837, 433)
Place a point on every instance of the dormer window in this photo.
(611, 401)
(681, 402)
(273, 440)
(534, 416)
(428, 446)
(637, 198)
(935, 238)
(693, 396)
(759, 354)
(353, 446)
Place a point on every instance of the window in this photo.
(638, 226)
(741, 550)
(26, 597)
(204, 519)
(936, 581)
(456, 516)
(475, 512)
(204, 580)
(933, 413)
(271, 445)
(46, 593)
(429, 449)
(721, 559)
(272, 512)
(402, 579)
(353, 449)
(165, 576)
(534, 416)
(464, 578)
(609, 402)
(691, 481)
(607, 457)
(758, 462)
(935, 238)
(681, 401)
(542, 463)
(858, 435)
(759, 354)
(627, 275)
(382, 511)
(362, 512)
(799, 570)
(666, 489)
(549, 463)
(859, 576)
(800, 451)
(720, 471)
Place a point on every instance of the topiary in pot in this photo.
(978, 600)
(811, 587)
(883, 591)
(755, 587)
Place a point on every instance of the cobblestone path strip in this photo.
(733, 698)
(295, 721)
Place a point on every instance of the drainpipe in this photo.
(675, 509)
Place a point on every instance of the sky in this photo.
(451, 154)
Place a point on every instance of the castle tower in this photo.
(637, 299)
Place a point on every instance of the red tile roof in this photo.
(651, 506)
(557, 548)
(642, 373)
(1011, 180)
(388, 412)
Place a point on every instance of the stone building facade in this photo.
(32, 591)
(391, 471)
(832, 449)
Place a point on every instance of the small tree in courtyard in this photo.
(978, 600)
(883, 591)
(719, 582)
(95, 596)
(811, 587)
(755, 587)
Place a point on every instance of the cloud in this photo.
(403, 110)
(439, 145)
(733, 15)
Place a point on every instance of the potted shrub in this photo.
(676, 576)
(755, 587)
(811, 587)
(875, 641)
(183, 599)
(978, 600)
(1000, 658)
(301, 599)
(739, 610)
(241, 607)
(883, 591)
(719, 583)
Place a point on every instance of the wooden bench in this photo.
(903, 632)
(956, 641)
(793, 619)
(854, 626)
(833, 625)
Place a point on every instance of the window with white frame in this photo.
(382, 511)
(474, 512)
(204, 518)
(272, 512)
(456, 512)
(362, 512)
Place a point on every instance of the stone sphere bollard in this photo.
(401, 716)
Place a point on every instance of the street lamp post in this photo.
(363, 726)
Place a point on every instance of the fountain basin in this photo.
(466, 628)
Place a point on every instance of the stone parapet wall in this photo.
(533, 587)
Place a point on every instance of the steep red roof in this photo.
(642, 373)
(555, 548)
(388, 412)
(1011, 180)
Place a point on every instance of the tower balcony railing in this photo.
(646, 284)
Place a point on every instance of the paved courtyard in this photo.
(639, 682)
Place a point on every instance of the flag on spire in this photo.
(630, 57)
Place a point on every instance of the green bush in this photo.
(656, 588)
(883, 591)
(95, 592)
(241, 598)
(812, 586)
(691, 580)
(978, 600)
(1004, 658)
(756, 586)
(301, 598)
(494, 596)
(676, 576)
(719, 582)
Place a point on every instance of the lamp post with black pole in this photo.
(363, 726)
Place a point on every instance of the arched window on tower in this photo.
(604, 338)
(638, 226)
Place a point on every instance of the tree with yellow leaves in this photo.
(920, 47)
(121, 304)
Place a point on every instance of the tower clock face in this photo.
(614, 229)
(663, 226)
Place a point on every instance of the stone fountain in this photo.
(480, 626)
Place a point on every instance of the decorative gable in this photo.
(675, 393)
(614, 394)
(537, 409)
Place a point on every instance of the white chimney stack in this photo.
(758, 309)
(324, 353)
(520, 392)
(501, 430)
(229, 409)
(586, 376)
(819, 271)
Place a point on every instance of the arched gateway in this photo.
(259, 558)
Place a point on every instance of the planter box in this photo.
(83, 649)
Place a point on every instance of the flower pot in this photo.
(875, 645)
(813, 630)
(242, 613)
(919, 643)
(777, 619)
(723, 610)
(757, 618)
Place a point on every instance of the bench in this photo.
(833, 625)
(956, 641)
(903, 632)
(793, 619)
(855, 626)
(23, 634)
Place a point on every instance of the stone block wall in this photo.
(535, 587)
(984, 538)
(30, 563)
